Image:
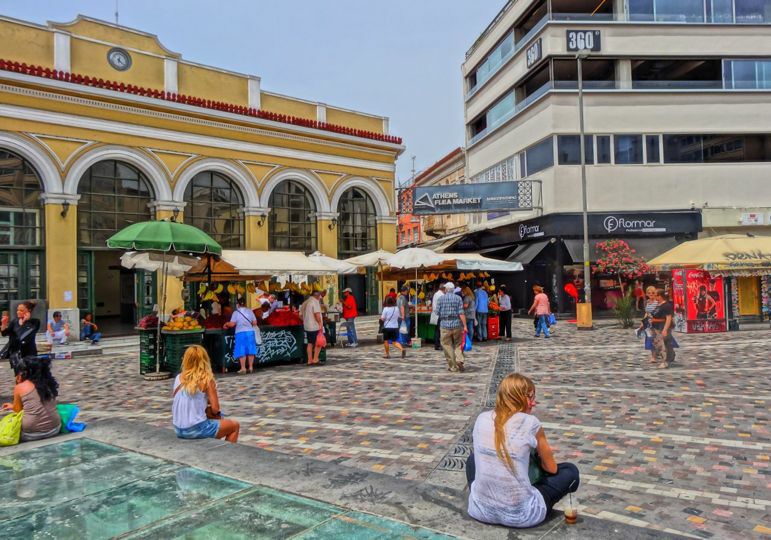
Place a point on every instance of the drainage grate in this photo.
(452, 463)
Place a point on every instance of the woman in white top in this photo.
(245, 347)
(501, 492)
(390, 318)
(195, 411)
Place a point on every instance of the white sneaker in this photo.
(353, 345)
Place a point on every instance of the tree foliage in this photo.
(617, 259)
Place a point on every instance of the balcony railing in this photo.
(677, 85)
(519, 107)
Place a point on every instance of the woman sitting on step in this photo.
(497, 470)
(35, 393)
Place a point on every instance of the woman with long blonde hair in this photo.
(195, 410)
(501, 492)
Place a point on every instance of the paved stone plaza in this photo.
(684, 450)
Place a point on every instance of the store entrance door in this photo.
(749, 296)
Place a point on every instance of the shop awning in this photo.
(475, 261)
(726, 253)
(647, 248)
(239, 265)
(525, 253)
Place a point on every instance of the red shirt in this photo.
(349, 307)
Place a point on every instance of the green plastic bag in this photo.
(10, 428)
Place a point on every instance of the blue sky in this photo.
(398, 58)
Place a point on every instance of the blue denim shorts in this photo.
(205, 430)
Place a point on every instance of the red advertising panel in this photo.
(678, 299)
(704, 302)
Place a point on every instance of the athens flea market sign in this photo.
(462, 198)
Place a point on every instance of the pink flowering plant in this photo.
(617, 259)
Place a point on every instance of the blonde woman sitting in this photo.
(501, 492)
(195, 410)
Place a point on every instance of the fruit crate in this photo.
(174, 344)
(148, 338)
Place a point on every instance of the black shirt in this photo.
(24, 346)
(661, 313)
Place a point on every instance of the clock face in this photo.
(119, 59)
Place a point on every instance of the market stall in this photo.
(719, 283)
(283, 338)
(425, 267)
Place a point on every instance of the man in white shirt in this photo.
(434, 303)
(310, 312)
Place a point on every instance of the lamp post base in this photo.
(584, 316)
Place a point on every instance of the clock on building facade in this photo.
(119, 58)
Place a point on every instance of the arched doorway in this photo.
(22, 242)
(113, 195)
(356, 235)
(215, 205)
(292, 222)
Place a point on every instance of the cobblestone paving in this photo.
(684, 450)
(396, 416)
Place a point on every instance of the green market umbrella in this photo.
(171, 239)
(165, 236)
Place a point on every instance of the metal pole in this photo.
(587, 262)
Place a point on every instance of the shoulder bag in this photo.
(10, 428)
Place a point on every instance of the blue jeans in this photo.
(350, 325)
(542, 325)
(86, 333)
(482, 326)
(470, 328)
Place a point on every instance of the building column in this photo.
(61, 250)
(256, 228)
(174, 285)
(326, 231)
(624, 72)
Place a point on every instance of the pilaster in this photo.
(61, 260)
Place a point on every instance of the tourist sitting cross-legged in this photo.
(195, 411)
(35, 393)
(497, 470)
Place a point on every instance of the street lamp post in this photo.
(580, 56)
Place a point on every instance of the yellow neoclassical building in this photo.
(102, 126)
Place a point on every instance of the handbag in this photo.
(67, 412)
(534, 470)
(403, 328)
(552, 319)
(466, 342)
(434, 318)
(321, 340)
(10, 428)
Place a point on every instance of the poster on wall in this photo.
(704, 302)
(678, 299)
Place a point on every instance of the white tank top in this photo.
(186, 410)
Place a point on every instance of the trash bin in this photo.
(174, 345)
(148, 338)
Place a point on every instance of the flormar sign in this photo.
(463, 198)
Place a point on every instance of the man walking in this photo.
(310, 312)
(452, 322)
(483, 302)
(435, 310)
(350, 312)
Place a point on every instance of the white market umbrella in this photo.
(176, 265)
(376, 258)
(341, 267)
(415, 258)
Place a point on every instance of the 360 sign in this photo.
(578, 40)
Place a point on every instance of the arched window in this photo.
(113, 195)
(215, 205)
(21, 230)
(357, 225)
(292, 224)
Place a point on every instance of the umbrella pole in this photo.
(160, 314)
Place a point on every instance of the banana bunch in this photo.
(422, 295)
(209, 292)
(251, 288)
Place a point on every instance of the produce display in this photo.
(148, 321)
(180, 324)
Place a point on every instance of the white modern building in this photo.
(677, 101)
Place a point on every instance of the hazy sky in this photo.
(398, 58)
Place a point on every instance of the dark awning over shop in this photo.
(525, 253)
(647, 248)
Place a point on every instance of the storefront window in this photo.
(113, 195)
(357, 226)
(292, 222)
(215, 205)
